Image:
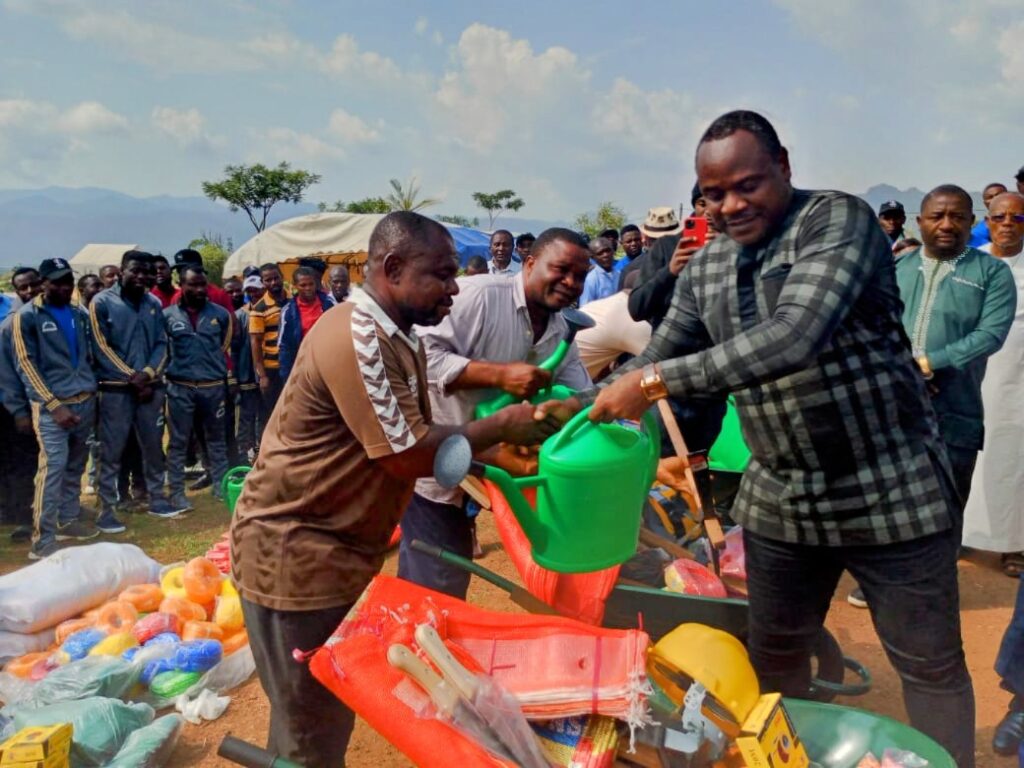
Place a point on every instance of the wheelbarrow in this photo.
(658, 612)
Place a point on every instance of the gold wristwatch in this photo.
(651, 383)
(926, 369)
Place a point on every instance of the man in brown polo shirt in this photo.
(336, 468)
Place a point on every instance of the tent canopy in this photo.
(337, 238)
(95, 256)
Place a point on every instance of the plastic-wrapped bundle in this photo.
(201, 630)
(688, 577)
(114, 645)
(171, 638)
(149, 747)
(167, 685)
(151, 669)
(145, 597)
(79, 644)
(198, 655)
(201, 580)
(154, 624)
(92, 676)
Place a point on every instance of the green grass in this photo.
(166, 541)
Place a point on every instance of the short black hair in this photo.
(497, 232)
(610, 232)
(143, 257)
(526, 237)
(993, 184)
(695, 194)
(160, 257)
(305, 272)
(400, 228)
(556, 234)
(949, 190)
(185, 269)
(83, 278)
(477, 262)
(628, 228)
(24, 271)
(105, 267)
(744, 120)
(270, 265)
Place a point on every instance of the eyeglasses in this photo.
(999, 218)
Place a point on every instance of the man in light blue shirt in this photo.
(602, 281)
(501, 262)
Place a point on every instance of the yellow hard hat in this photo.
(715, 659)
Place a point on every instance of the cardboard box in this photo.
(37, 745)
(56, 760)
(767, 738)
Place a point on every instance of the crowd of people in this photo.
(869, 365)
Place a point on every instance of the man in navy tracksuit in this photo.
(198, 377)
(130, 349)
(52, 356)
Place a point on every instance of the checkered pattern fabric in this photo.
(805, 331)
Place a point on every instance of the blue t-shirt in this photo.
(980, 235)
(66, 320)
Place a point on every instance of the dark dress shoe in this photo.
(1009, 733)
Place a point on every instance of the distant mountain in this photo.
(58, 221)
(911, 198)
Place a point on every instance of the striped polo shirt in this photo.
(265, 318)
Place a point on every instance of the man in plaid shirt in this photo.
(796, 312)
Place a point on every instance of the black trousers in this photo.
(445, 525)
(308, 724)
(912, 593)
(19, 459)
(269, 398)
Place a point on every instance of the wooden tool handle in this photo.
(457, 675)
(402, 658)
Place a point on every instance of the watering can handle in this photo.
(582, 418)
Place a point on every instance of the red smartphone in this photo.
(697, 228)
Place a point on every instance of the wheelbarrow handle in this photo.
(845, 689)
(251, 756)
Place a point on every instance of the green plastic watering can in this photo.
(591, 485)
(729, 453)
(576, 321)
(232, 484)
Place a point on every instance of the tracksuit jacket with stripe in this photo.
(199, 354)
(43, 359)
(127, 340)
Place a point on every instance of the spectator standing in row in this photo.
(19, 449)
(299, 316)
(164, 288)
(340, 281)
(994, 517)
(612, 235)
(892, 218)
(88, 286)
(476, 265)
(247, 435)
(979, 233)
(524, 245)
(51, 345)
(264, 319)
(632, 246)
(199, 335)
(130, 349)
(502, 262)
(602, 281)
(109, 275)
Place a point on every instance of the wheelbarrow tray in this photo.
(658, 612)
(838, 737)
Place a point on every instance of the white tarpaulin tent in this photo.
(337, 238)
(94, 256)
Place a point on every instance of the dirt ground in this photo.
(987, 597)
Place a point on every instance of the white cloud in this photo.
(500, 85)
(17, 112)
(657, 121)
(290, 144)
(351, 129)
(346, 59)
(90, 117)
(421, 26)
(187, 127)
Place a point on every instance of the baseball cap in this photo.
(188, 256)
(54, 269)
(891, 206)
(252, 281)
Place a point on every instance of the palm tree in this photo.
(406, 199)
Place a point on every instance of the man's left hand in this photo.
(560, 410)
(622, 399)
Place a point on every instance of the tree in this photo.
(607, 216)
(407, 199)
(496, 202)
(256, 189)
(366, 205)
(215, 251)
(461, 221)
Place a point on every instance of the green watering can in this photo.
(576, 321)
(729, 452)
(591, 486)
(232, 484)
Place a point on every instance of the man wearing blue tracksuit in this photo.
(129, 344)
(52, 356)
(198, 378)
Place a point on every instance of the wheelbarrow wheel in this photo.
(829, 671)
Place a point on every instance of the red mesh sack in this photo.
(555, 667)
(688, 577)
(577, 595)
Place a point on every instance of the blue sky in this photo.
(567, 103)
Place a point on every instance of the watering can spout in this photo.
(520, 506)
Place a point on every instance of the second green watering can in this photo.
(591, 483)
